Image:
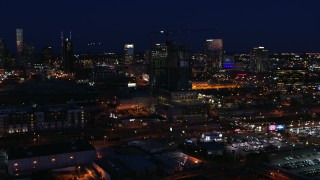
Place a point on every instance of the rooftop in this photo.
(49, 149)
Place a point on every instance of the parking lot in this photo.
(241, 145)
(304, 162)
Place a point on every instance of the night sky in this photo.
(279, 25)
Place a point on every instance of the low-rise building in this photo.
(181, 106)
(23, 120)
(25, 160)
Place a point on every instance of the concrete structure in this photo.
(150, 146)
(172, 162)
(181, 106)
(25, 160)
(129, 167)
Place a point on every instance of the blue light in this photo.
(228, 65)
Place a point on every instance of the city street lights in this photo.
(293, 145)
(78, 168)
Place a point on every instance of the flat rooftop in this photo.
(49, 149)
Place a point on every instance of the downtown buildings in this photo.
(170, 67)
(128, 54)
(214, 55)
(67, 56)
(259, 60)
(51, 117)
(171, 83)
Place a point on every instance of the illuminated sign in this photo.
(280, 127)
(132, 85)
(272, 127)
(242, 74)
(276, 127)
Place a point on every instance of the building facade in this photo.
(19, 40)
(54, 117)
(128, 53)
(181, 106)
(259, 60)
(25, 160)
(214, 55)
(170, 67)
(68, 60)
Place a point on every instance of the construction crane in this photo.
(168, 33)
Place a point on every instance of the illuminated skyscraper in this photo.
(179, 71)
(2, 53)
(158, 55)
(19, 41)
(68, 55)
(28, 55)
(47, 55)
(170, 67)
(259, 60)
(128, 53)
(2, 48)
(214, 55)
(5, 58)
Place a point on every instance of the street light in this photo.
(293, 145)
(78, 171)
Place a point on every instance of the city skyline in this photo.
(279, 26)
(159, 89)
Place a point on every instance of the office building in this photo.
(170, 67)
(259, 60)
(179, 70)
(158, 71)
(19, 40)
(28, 55)
(67, 53)
(2, 53)
(6, 61)
(128, 53)
(47, 55)
(2, 48)
(214, 55)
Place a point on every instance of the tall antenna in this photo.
(61, 39)
(70, 35)
(61, 45)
